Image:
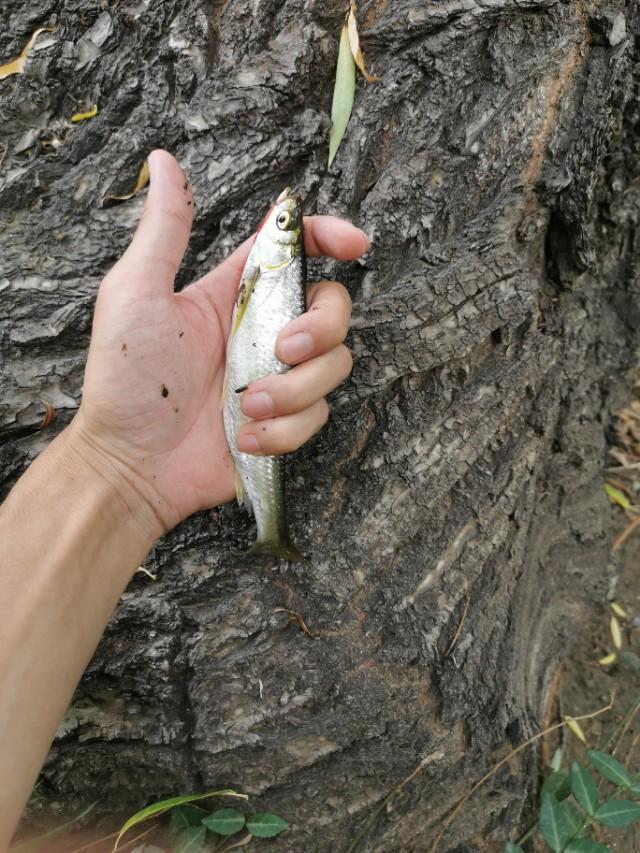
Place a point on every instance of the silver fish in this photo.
(272, 291)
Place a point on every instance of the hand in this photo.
(150, 418)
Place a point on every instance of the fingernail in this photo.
(296, 347)
(247, 444)
(256, 404)
(150, 163)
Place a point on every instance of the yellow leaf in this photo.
(354, 44)
(143, 180)
(616, 496)
(616, 633)
(16, 66)
(619, 611)
(574, 728)
(607, 660)
(76, 117)
(343, 94)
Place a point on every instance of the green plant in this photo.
(193, 829)
(573, 808)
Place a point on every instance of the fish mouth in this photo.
(288, 193)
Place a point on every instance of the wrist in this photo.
(82, 459)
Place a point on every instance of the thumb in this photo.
(161, 239)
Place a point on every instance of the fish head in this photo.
(283, 223)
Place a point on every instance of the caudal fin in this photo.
(283, 548)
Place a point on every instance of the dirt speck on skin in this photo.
(165, 391)
(123, 348)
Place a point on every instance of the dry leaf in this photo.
(143, 180)
(575, 728)
(607, 660)
(616, 633)
(16, 66)
(616, 496)
(354, 44)
(618, 610)
(76, 117)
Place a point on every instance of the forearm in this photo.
(70, 540)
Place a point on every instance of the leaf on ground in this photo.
(184, 817)
(553, 824)
(619, 611)
(616, 496)
(607, 660)
(556, 759)
(630, 659)
(343, 94)
(225, 821)
(190, 840)
(557, 784)
(16, 66)
(616, 633)
(510, 847)
(90, 113)
(156, 809)
(354, 44)
(141, 182)
(607, 766)
(266, 825)
(584, 788)
(575, 728)
(618, 813)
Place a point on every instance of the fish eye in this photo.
(284, 220)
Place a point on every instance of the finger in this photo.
(287, 393)
(156, 251)
(282, 435)
(321, 328)
(323, 235)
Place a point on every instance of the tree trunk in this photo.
(453, 511)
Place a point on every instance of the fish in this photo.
(272, 291)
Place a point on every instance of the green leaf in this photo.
(225, 821)
(556, 760)
(630, 659)
(618, 813)
(573, 818)
(557, 784)
(190, 840)
(553, 824)
(584, 788)
(635, 789)
(156, 809)
(266, 825)
(343, 94)
(183, 817)
(585, 845)
(510, 847)
(611, 769)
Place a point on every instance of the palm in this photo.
(153, 384)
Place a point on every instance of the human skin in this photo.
(145, 450)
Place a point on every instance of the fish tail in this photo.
(282, 547)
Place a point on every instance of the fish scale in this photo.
(271, 293)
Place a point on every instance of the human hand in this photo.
(150, 419)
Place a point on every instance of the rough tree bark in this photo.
(460, 475)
